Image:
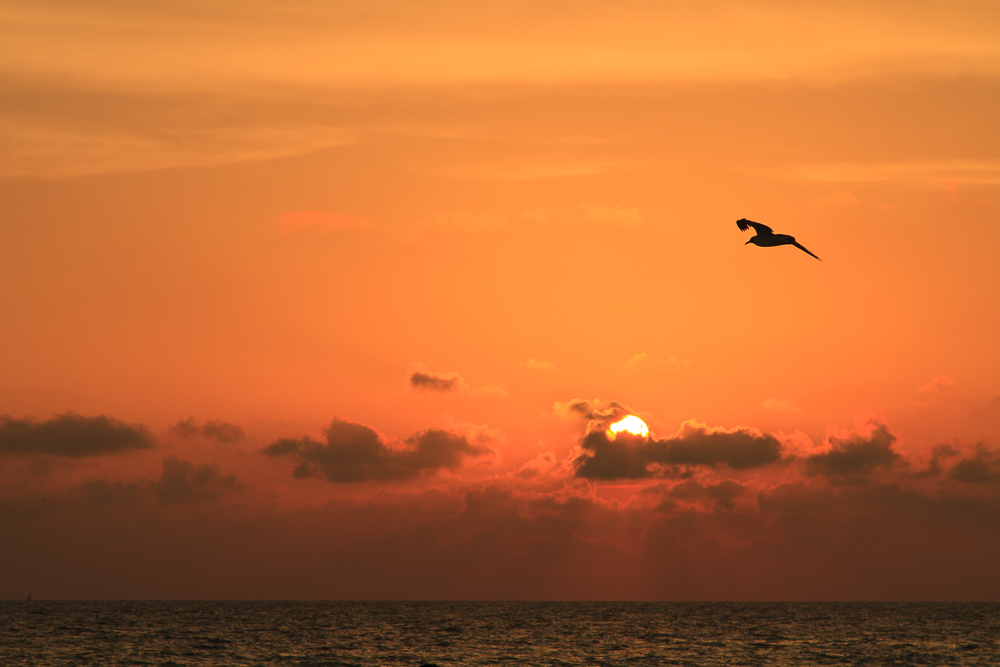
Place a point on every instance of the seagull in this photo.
(766, 238)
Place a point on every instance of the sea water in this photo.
(497, 633)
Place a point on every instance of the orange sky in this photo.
(444, 225)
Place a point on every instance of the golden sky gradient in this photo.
(250, 244)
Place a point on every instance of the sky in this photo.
(338, 300)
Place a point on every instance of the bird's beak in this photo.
(748, 242)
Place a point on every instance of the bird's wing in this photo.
(803, 249)
(762, 230)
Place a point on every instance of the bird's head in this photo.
(751, 241)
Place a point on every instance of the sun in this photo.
(630, 424)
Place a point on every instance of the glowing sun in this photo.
(630, 424)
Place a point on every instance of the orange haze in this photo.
(315, 300)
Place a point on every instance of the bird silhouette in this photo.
(766, 238)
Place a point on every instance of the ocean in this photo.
(497, 633)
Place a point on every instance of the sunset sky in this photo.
(337, 300)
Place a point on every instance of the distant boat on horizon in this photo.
(29, 597)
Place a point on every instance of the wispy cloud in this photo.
(835, 200)
(458, 220)
(936, 173)
(643, 360)
(308, 43)
(782, 406)
(613, 216)
(939, 385)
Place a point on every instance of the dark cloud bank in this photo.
(181, 483)
(71, 435)
(357, 453)
(894, 533)
(634, 457)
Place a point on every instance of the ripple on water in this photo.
(542, 634)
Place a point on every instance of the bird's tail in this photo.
(803, 249)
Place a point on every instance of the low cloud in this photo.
(291, 221)
(723, 494)
(983, 467)
(423, 380)
(856, 453)
(938, 453)
(695, 444)
(215, 429)
(71, 435)
(357, 453)
(182, 482)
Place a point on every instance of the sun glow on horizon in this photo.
(630, 424)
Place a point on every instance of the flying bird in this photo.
(766, 238)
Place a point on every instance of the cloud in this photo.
(643, 360)
(68, 129)
(494, 390)
(637, 360)
(782, 406)
(537, 365)
(739, 447)
(103, 492)
(463, 221)
(940, 384)
(695, 444)
(609, 216)
(723, 494)
(71, 435)
(836, 199)
(544, 463)
(291, 221)
(982, 468)
(424, 380)
(599, 413)
(540, 534)
(216, 429)
(930, 173)
(856, 453)
(938, 453)
(182, 482)
(357, 453)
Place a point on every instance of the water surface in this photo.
(496, 633)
